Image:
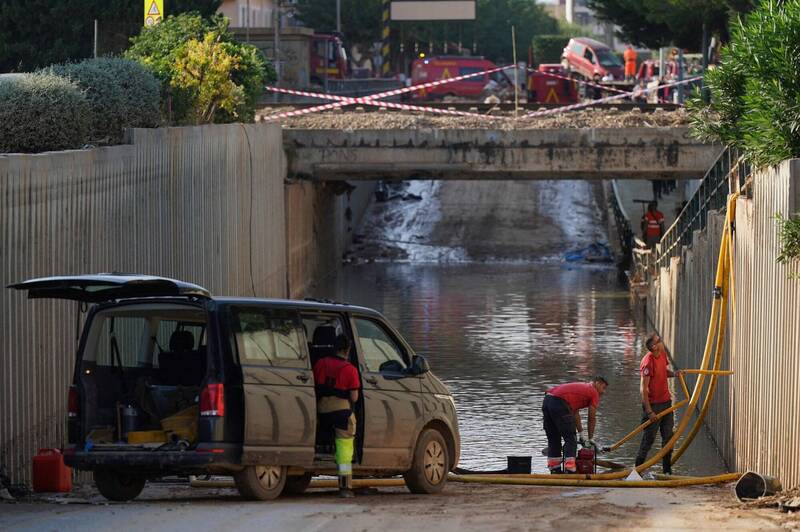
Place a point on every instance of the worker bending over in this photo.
(561, 410)
(337, 386)
(655, 399)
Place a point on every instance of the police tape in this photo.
(367, 100)
(574, 80)
(624, 95)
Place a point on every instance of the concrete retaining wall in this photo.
(754, 418)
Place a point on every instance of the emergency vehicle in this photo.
(550, 89)
(428, 69)
(328, 58)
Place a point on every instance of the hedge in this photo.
(42, 112)
(548, 48)
(122, 94)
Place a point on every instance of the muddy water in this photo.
(472, 274)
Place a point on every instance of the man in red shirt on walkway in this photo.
(337, 384)
(652, 225)
(561, 409)
(656, 398)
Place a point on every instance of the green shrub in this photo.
(548, 48)
(122, 94)
(159, 48)
(789, 238)
(42, 112)
(755, 90)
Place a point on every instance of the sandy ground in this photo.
(459, 508)
(589, 118)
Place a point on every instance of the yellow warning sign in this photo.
(153, 12)
(552, 97)
(446, 73)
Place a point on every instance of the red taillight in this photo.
(73, 404)
(212, 400)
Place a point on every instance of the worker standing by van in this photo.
(337, 384)
(655, 399)
(630, 63)
(561, 410)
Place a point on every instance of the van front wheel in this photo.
(118, 487)
(428, 473)
(261, 483)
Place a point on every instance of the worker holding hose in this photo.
(655, 399)
(561, 410)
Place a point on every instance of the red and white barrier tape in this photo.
(576, 106)
(580, 81)
(368, 100)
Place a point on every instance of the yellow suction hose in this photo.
(593, 483)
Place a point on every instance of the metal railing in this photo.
(711, 195)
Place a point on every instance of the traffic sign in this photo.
(153, 12)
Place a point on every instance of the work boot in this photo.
(346, 487)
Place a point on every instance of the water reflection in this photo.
(499, 335)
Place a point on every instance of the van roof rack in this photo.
(323, 300)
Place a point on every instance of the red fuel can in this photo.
(585, 462)
(50, 473)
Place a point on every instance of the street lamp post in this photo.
(338, 16)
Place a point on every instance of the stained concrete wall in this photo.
(621, 153)
(754, 418)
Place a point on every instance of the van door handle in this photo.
(302, 377)
(372, 380)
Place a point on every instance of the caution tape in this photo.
(366, 100)
(583, 105)
(587, 83)
(369, 100)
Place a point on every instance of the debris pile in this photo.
(587, 118)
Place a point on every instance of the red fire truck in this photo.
(550, 89)
(328, 58)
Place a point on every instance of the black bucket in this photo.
(519, 465)
(751, 485)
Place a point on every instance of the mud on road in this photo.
(460, 508)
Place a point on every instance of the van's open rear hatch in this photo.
(107, 286)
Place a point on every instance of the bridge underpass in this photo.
(496, 154)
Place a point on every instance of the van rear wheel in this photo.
(116, 486)
(260, 483)
(428, 473)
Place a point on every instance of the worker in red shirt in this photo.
(652, 225)
(630, 63)
(561, 409)
(337, 385)
(656, 398)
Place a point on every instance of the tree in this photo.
(198, 96)
(37, 33)
(755, 89)
(491, 31)
(656, 23)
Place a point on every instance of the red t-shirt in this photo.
(655, 367)
(337, 373)
(577, 394)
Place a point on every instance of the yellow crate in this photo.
(183, 424)
(147, 436)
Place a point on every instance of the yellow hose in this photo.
(717, 372)
(592, 483)
(646, 424)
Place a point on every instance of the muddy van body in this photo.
(170, 380)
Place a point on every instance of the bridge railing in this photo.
(711, 195)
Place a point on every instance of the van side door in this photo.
(394, 412)
(278, 388)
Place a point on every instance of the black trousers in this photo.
(665, 425)
(559, 422)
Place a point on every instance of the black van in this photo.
(172, 381)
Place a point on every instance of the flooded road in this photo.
(499, 335)
(473, 275)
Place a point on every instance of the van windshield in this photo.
(607, 58)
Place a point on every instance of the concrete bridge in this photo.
(618, 153)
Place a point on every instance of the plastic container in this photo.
(183, 424)
(585, 462)
(519, 464)
(147, 436)
(50, 474)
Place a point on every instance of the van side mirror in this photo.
(419, 366)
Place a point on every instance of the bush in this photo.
(121, 92)
(548, 48)
(755, 90)
(162, 49)
(42, 112)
